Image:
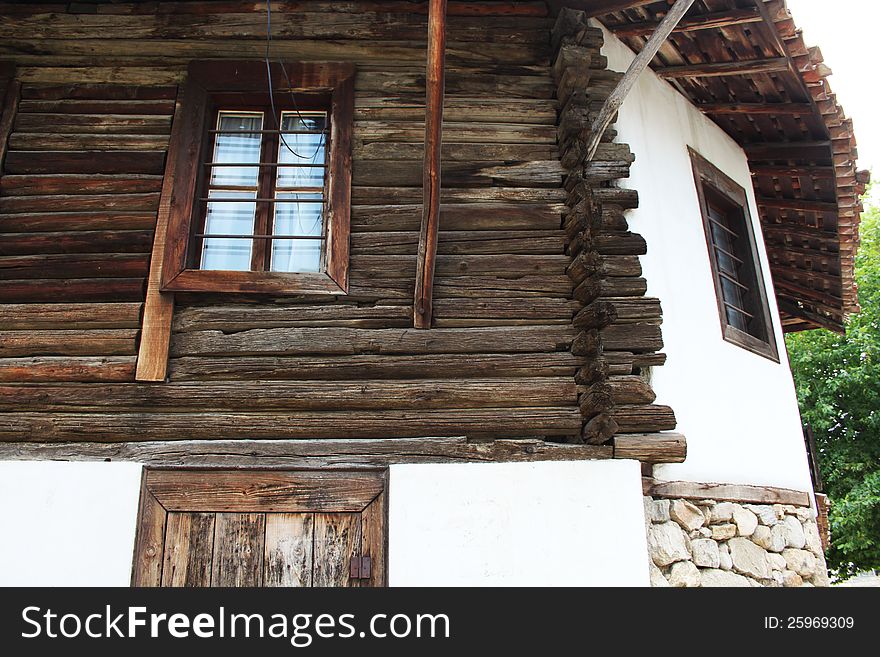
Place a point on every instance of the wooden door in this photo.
(260, 528)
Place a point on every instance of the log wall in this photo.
(518, 333)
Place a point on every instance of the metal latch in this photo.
(360, 568)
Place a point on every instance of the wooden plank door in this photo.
(259, 528)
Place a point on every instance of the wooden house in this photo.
(320, 293)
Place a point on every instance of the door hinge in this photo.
(360, 568)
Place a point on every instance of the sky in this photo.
(846, 32)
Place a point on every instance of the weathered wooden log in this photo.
(587, 343)
(600, 429)
(306, 454)
(85, 290)
(595, 370)
(458, 216)
(636, 337)
(35, 317)
(521, 242)
(352, 368)
(610, 243)
(584, 265)
(597, 286)
(631, 390)
(113, 265)
(31, 162)
(305, 424)
(58, 369)
(644, 418)
(597, 315)
(576, 57)
(96, 342)
(76, 221)
(597, 399)
(339, 341)
(569, 22)
(651, 447)
(291, 395)
(79, 184)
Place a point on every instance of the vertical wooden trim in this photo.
(11, 93)
(149, 547)
(373, 538)
(638, 65)
(152, 360)
(435, 77)
(339, 217)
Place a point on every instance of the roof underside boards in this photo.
(745, 64)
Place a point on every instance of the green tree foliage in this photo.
(838, 386)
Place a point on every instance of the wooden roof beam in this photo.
(435, 82)
(794, 109)
(789, 150)
(711, 21)
(800, 205)
(781, 171)
(720, 69)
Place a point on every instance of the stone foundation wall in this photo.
(709, 543)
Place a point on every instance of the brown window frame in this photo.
(208, 80)
(707, 175)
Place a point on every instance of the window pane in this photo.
(299, 148)
(299, 219)
(241, 148)
(229, 218)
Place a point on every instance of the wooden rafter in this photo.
(435, 81)
(720, 69)
(794, 109)
(711, 21)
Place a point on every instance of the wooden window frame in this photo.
(706, 173)
(169, 490)
(205, 78)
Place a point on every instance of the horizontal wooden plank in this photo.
(401, 173)
(27, 316)
(97, 106)
(93, 342)
(101, 92)
(459, 216)
(291, 395)
(240, 317)
(78, 184)
(339, 341)
(170, 52)
(454, 152)
(400, 266)
(356, 367)
(545, 421)
(728, 492)
(74, 266)
(92, 126)
(22, 141)
(304, 24)
(458, 109)
(306, 453)
(462, 242)
(489, 81)
(30, 222)
(266, 491)
(46, 369)
(454, 132)
(54, 290)
(93, 241)
(476, 195)
(56, 161)
(80, 203)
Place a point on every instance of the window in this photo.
(261, 185)
(733, 253)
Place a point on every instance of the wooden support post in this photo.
(10, 93)
(435, 77)
(152, 360)
(639, 64)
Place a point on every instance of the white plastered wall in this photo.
(67, 524)
(517, 524)
(738, 410)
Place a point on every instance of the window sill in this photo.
(198, 280)
(751, 343)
